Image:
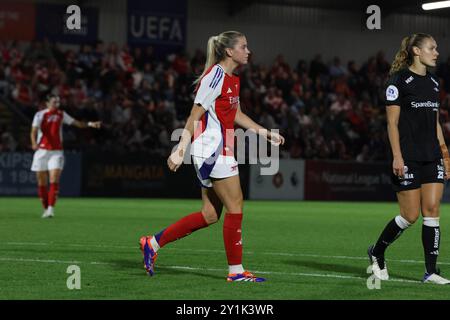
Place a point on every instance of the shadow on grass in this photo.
(176, 271)
(138, 266)
(355, 271)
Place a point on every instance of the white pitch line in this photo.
(343, 257)
(51, 261)
(297, 274)
(216, 251)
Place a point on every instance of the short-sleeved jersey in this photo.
(49, 122)
(218, 94)
(418, 98)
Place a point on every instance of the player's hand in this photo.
(95, 125)
(34, 146)
(398, 167)
(175, 160)
(446, 168)
(275, 138)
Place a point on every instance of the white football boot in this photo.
(435, 278)
(380, 273)
(49, 213)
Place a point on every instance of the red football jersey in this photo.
(218, 94)
(49, 122)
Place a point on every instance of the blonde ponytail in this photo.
(210, 56)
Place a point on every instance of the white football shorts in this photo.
(222, 167)
(45, 160)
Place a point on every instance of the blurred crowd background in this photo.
(325, 109)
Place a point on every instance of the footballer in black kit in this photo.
(418, 98)
(420, 158)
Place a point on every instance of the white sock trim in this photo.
(402, 222)
(237, 268)
(431, 222)
(154, 243)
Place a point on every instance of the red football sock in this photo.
(181, 228)
(232, 237)
(53, 194)
(42, 192)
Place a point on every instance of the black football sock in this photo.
(391, 232)
(431, 237)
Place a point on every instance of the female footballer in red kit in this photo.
(47, 141)
(216, 109)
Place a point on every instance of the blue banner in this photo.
(17, 179)
(51, 23)
(161, 24)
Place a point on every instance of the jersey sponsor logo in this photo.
(409, 79)
(234, 102)
(427, 104)
(435, 82)
(391, 93)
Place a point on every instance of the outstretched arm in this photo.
(82, 125)
(246, 122)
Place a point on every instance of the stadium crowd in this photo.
(325, 110)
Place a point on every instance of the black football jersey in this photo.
(418, 98)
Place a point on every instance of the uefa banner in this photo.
(286, 184)
(17, 21)
(335, 180)
(161, 24)
(51, 23)
(16, 178)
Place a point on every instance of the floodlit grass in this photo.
(306, 250)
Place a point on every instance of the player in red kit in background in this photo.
(47, 141)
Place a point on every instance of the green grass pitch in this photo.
(307, 250)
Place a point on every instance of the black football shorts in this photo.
(418, 173)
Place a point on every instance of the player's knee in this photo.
(431, 210)
(411, 217)
(210, 214)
